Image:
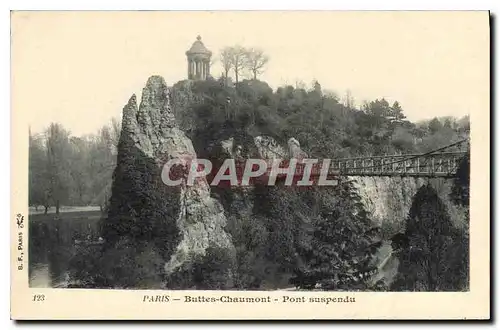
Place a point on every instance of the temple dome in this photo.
(198, 48)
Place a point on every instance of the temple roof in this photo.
(198, 48)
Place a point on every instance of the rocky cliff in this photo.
(187, 224)
(388, 199)
(183, 218)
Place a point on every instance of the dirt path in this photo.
(64, 209)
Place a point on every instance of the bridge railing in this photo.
(444, 164)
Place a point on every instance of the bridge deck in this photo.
(444, 164)
(392, 174)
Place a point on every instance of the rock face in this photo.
(184, 217)
(182, 99)
(295, 150)
(268, 148)
(228, 146)
(388, 199)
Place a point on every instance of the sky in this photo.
(80, 68)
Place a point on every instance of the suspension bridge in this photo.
(436, 163)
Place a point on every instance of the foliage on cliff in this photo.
(340, 244)
(214, 271)
(137, 206)
(325, 126)
(436, 257)
(460, 192)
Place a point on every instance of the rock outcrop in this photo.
(268, 148)
(182, 100)
(388, 199)
(184, 217)
(294, 149)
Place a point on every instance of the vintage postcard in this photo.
(250, 165)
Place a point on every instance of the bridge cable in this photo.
(411, 158)
(390, 163)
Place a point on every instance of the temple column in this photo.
(198, 68)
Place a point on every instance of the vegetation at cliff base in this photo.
(436, 257)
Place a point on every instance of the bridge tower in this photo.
(198, 58)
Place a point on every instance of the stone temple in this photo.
(198, 58)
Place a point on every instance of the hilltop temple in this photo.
(198, 58)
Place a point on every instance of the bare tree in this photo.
(39, 180)
(316, 87)
(115, 133)
(300, 84)
(226, 61)
(58, 167)
(238, 57)
(212, 61)
(102, 163)
(349, 101)
(255, 60)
